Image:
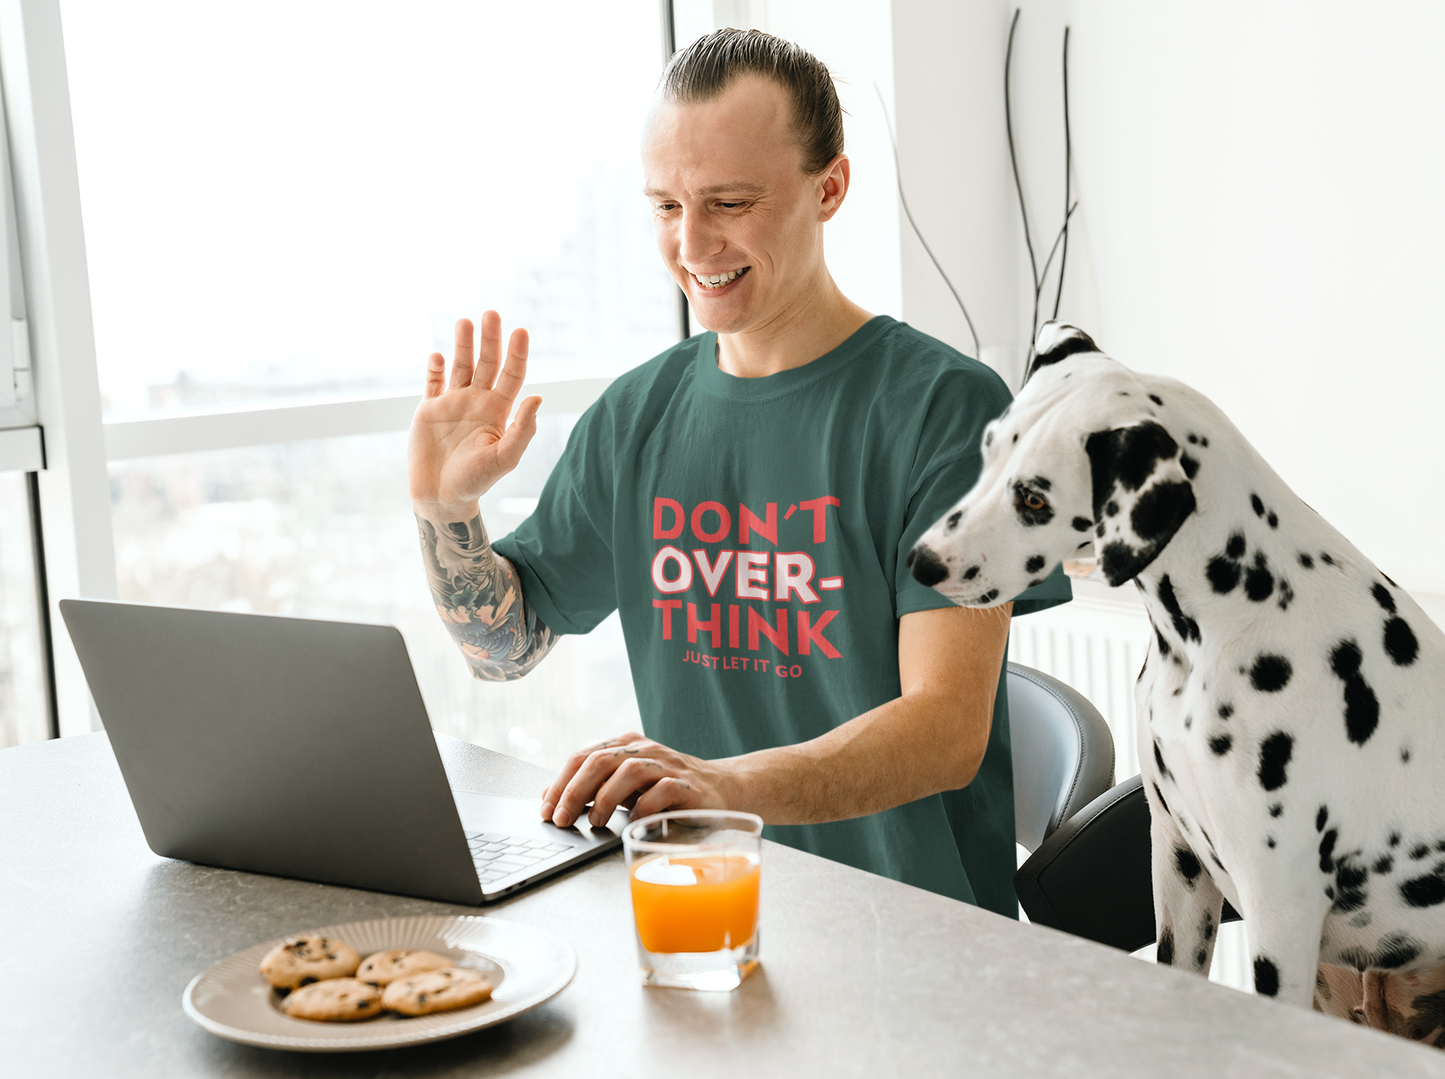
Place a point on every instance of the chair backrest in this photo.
(1063, 753)
(1091, 877)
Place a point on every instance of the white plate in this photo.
(525, 965)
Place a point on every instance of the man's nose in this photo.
(698, 239)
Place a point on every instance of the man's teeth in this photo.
(717, 280)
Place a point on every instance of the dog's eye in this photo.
(1033, 501)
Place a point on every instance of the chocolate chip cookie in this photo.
(337, 1000)
(300, 961)
(436, 991)
(383, 968)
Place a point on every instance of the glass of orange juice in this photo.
(694, 876)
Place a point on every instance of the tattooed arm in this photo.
(459, 446)
(479, 596)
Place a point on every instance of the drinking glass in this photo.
(694, 876)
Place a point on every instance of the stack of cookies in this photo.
(327, 980)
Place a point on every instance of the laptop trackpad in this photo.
(523, 817)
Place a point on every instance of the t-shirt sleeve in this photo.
(946, 476)
(563, 551)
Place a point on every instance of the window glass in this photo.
(324, 529)
(293, 198)
(22, 680)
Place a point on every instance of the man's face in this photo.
(730, 200)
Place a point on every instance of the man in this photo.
(747, 500)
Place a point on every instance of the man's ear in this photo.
(1141, 496)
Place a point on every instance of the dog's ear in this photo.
(1057, 341)
(1141, 496)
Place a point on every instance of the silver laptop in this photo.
(301, 748)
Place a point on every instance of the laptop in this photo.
(301, 748)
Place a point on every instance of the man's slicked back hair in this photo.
(707, 67)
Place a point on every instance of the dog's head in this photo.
(1079, 460)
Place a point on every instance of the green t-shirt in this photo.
(752, 533)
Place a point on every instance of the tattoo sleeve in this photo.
(479, 597)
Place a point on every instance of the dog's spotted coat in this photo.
(1292, 705)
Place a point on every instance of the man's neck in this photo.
(810, 328)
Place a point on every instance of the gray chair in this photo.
(1063, 753)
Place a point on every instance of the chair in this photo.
(1091, 876)
(1063, 753)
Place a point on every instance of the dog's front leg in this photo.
(1187, 902)
(1284, 920)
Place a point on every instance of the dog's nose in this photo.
(927, 567)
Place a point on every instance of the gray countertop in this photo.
(860, 976)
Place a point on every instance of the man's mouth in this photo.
(718, 280)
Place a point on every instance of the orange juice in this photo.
(696, 902)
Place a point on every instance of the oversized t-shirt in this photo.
(752, 533)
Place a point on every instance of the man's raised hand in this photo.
(460, 443)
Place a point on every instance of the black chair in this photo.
(1091, 876)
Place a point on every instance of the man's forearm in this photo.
(479, 596)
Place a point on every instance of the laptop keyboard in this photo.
(498, 856)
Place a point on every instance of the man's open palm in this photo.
(460, 442)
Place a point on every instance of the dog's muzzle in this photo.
(926, 566)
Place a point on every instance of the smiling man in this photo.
(746, 500)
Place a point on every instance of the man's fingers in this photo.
(509, 382)
(588, 780)
(553, 794)
(670, 792)
(489, 350)
(462, 352)
(436, 375)
(631, 778)
(518, 435)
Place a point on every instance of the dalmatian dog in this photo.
(1292, 705)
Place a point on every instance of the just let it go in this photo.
(743, 663)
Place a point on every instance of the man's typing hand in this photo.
(460, 442)
(635, 772)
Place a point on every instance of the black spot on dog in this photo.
(1164, 648)
(1383, 597)
(1383, 864)
(987, 439)
(1254, 501)
(1193, 439)
(1276, 809)
(1160, 511)
(1111, 508)
(1306, 561)
(1286, 594)
(1200, 957)
(1073, 342)
(1350, 878)
(1419, 851)
(1273, 519)
(1270, 673)
(1186, 627)
(1081, 524)
(927, 567)
(1159, 760)
(1327, 848)
(1226, 710)
(954, 518)
(970, 573)
(1326, 559)
(1035, 583)
(989, 596)
(1162, 803)
(1165, 955)
(1220, 744)
(1362, 708)
(1235, 547)
(1400, 642)
(1156, 399)
(1041, 483)
(1206, 926)
(1320, 818)
(1126, 457)
(1394, 839)
(1034, 564)
(1031, 516)
(1188, 865)
(1189, 464)
(1016, 437)
(1223, 574)
(1266, 977)
(1404, 756)
(1274, 755)
(1395, 951)
(1258, 581)
(1269, 842)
